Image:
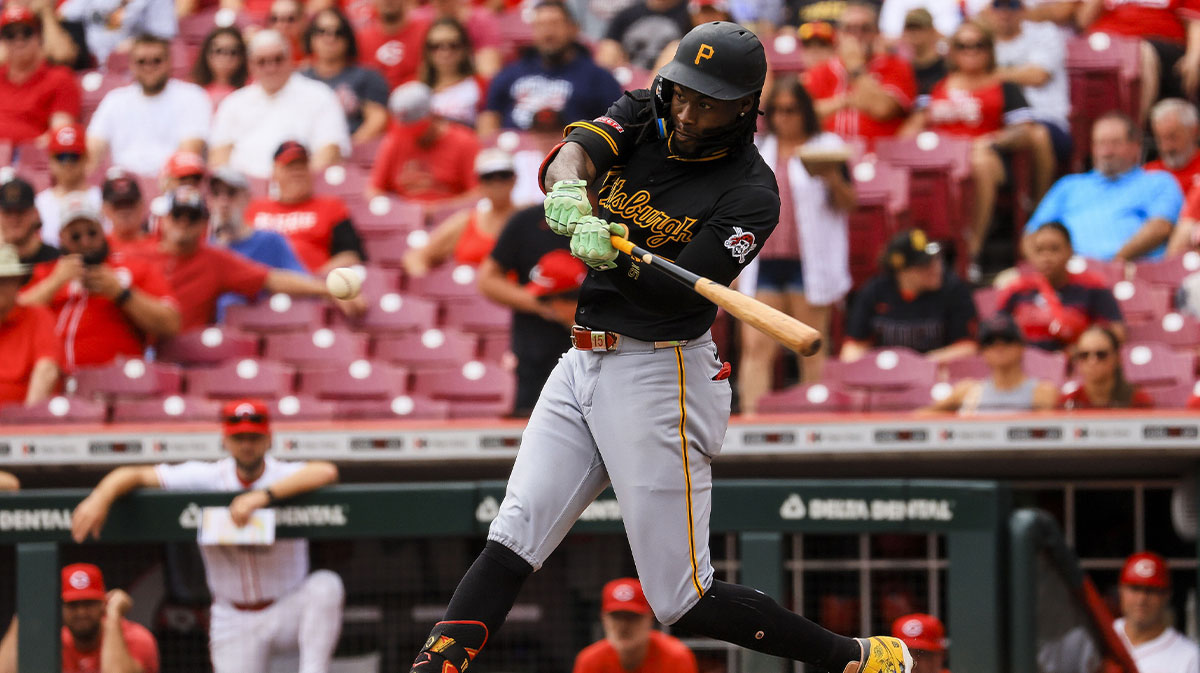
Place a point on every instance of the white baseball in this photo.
(343, 283)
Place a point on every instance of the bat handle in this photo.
(623, 244)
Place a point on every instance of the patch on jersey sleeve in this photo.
(611, 122)
(740, 244)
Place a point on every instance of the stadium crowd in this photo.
(961, 211)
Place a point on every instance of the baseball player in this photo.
(266, 604)
(642, 400)
(1145, 624)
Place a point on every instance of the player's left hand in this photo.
(244, 506)
(565, 205)
(118, 603)
(591, 242)
(102, 280)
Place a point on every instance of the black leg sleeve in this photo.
(751, 619)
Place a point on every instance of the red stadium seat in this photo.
(303, 408)
(882, 369)
(449, 282)
(811, 398)
(208, 346)
(987, 301)
(1155, 364)
(881, 210)
(495, 346)
(428, 349)
(379, 281)
(54, 411)
(906, 399)
(345, 181)
(1173, 329)
(1140, 301)
(479, 315)
(129, 378)
(170, 409)
(474, 381)
(784, 53)
(1103, 73)
(387, 248)
(321, 346)
(1037, 363)
(1170, 397)
(393, 313)
(939, 195)
(363, 154)
(279, 313)
(1169, 272)
(385, 215)
(248, 377)
(480, 409)
(409, 407)
(361, 379)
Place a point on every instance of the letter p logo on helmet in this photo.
(705, 51)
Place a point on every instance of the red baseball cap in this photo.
(921, 632)
(289, 151)
(69, 138)
(245, 416)
(1146, 569)
(82, 582)
(19, 14)
(185, 164)
(556, 272)
(625, 595)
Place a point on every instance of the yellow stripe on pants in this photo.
(687, 473)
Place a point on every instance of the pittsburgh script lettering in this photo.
(635, 209)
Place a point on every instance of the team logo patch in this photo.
(611, 122)
(244, 410)
(1145, 568)
(79, 580)
(912, 628)
(740, 244)
(66, 135)
(623, 593)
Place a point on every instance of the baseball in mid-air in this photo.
(344, 283)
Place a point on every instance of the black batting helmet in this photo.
(719, 59)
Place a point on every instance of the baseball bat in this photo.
(776, 324)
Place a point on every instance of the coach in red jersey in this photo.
(199, 273)
(1052, 305)
(318, 227)
(108, 304)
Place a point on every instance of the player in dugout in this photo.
(268, 609)
(95, 634)
(642, 401)
(631, 644)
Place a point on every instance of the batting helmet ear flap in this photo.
(661, 91)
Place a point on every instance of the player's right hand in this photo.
(566, 204)
(118, 603)
(88, 518)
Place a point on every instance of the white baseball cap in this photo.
(493, 160)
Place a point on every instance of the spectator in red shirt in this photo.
(468, 235)
(34, 95)
(19, 223)
(199, 273)
(95, 632)
(1176, 127)
(221, 66)
(108, 304)
(1170, 57)
(1102, 385)
(631, 643)
(1052, 305)
(865, 91)
(124, 211)
(423, 157)
(973, 102)
(391, 42)
(29, 368)
(318, 227)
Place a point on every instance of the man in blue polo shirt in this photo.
(1118, 211)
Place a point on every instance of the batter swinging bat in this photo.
(778, 325)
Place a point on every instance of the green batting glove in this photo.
(592, 244)
(566, 204)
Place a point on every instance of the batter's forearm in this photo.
(114, 651)
(570, 163)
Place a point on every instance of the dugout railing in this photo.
(971, 516)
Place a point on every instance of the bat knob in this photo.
(813, 348)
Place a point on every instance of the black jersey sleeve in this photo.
(1016, 108)
(345, 237)
(608, 139)
(858, 318)
(1104, 306)
(961, 315)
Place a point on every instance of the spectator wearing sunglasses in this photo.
(483, 31)
(143, 123)
(287, 17)
(109, 26)
(280, 105)
(248, 618)
(220, 67)
(68, 168)
(1008, 388)
(108, 304)
(1101, 379)
(448, 68)
(468, 236)
(19, 223)
(363, 92)
(125, 214)
(35, 96)
(199, 273)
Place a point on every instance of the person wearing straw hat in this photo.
(32, 352)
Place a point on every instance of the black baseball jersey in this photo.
(708, 214)
(883, 316)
